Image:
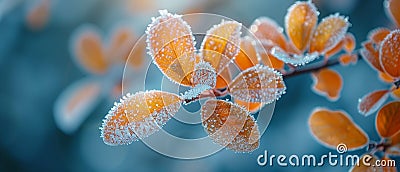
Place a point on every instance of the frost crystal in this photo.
(204, 74)
(195, 92)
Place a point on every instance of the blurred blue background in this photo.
(36, 65)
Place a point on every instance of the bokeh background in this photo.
(36, 66)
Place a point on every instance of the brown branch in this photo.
(314, 67)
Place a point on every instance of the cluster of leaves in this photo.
(331, 128)
(172, 47)
(307, 42)
(206, 72)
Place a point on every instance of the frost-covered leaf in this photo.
(171, 45)
(329, 33)
(294, 59)
(138, 116)
(327, 83)
(230, 125)
(258, 84)
(270, 34)
(389, 54)
(300, 22)
(267, 30)
(377, 35)
(221, 44)
(371, 55)
(248, 56)
(76, 103)
(388, 119)
(332, 128)
(392, 9)
(372, 101)
(87, 48)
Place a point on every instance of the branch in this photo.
(314, 67)
(210, 93)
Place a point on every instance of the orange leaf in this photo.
(223, 79)
(247, 56)
(388, 119)
(334, 50)
(371, 55)
(368, 166)
(372, 101)
(221, 44)
(171, 45)
(138, 116)
(230, 125)
(121, 43)
(389, 54)
(329, 33)
(258, 84)
(267, 30)
(385, 77)
(38, 15)
(88, 50)
(76, 103)
(396, 93)
(250, 106)
(348, 43)
(378, 35)
(327, 83)
(392, 9)
(346, 59)
(300, 22)
(332, 128)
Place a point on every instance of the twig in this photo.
(314, 67)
